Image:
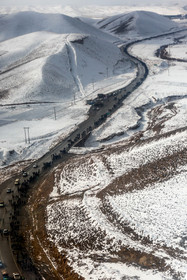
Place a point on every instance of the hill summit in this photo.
(141, 23)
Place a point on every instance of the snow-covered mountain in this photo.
(17, 24)
(140, 23)
(53, 56)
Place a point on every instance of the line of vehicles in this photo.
(16, 183)
(5, 232)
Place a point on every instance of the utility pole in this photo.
(168, 67)
(27, 136)
(107, 72)
(169, 51)
(93, 83)
(55, 112)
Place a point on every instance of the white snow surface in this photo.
(113, 271)
(178, 51)
(146, 211)
(44, 130)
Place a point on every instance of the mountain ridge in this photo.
(142, 23)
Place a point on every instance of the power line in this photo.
(28, 135)
(107, 72)
(25, 135)
(55, 112)
(93, 83)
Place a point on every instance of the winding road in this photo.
(96, 116)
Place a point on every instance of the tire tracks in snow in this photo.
(73, 65)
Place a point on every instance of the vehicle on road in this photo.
(2, 204)
(9, 190)
(1, 264)
(35, 165)
(5, 232)
(16, 276)
(5, 275)
(17, 182)
(25, 174)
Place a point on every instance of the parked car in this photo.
(35, 165)
(17, 182)
(1, 264)
(9, 190)
(16, 276)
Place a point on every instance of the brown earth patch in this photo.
(42, 251)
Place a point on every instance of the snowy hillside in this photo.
(17, 24)
(110, 207)
(45, 66)
(52, 58)
(139, 23)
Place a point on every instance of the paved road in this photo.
(6, 255)
(6, 213)
(96, 116)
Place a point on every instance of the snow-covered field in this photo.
(166, 84)
(178, 51)
(84, 214)
(94, 173)
(156, 202)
